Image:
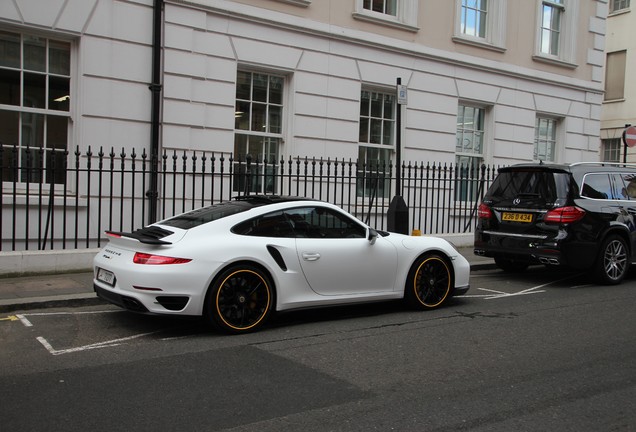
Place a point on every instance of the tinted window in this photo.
(207, 214)
(626, 184)
(270, 225)
(597, 186)
(319, 222)
(545, 185)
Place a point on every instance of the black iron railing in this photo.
(66, 200)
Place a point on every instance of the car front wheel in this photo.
(613, 260)
(429, 283)
(240, 300)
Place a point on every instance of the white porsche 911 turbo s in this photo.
(236, 262)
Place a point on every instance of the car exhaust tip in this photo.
(549, 261)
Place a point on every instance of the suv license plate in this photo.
(106, 276)
(517, 217)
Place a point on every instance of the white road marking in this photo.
(72, 313)
(501, 294)
(24, 321)
(105, 344)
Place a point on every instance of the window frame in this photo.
(619, 6)
(495, 26)
(566, 56)
(406, 17)
(554, 139)
(465, 189)
(368, 172)
(271, 143)
(611, 147)
(48, 148)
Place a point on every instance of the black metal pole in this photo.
(155, 88)
(398, 145)
(625, 143)
(398, 213)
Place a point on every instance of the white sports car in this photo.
(236, 262)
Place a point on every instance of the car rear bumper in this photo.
(126, 302)
(560, 250)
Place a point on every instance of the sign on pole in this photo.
(402, 94)
(629, 136)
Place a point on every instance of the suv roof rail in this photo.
(619, 164)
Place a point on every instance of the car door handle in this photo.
(311, 256)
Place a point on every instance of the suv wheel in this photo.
(612, 262)
(511, 265)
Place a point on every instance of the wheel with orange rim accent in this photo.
(240, 299)
(429, 283)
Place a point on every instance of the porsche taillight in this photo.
(484, 212)
(563, 215)
(151, 259)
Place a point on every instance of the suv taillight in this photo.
(561, 215)
(484, 212)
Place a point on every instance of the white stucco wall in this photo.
(326, 65)
(326, 68)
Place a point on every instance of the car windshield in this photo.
(546, 186)
(204, 215)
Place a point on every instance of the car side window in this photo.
(320, 222)
(597, 186)
(628, 185)
(273, 224)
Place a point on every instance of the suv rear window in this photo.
(549, 186)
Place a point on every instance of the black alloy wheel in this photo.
(429, 283)
(240, 300)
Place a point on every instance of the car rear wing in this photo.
(149, 235)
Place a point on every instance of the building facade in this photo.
(619, 103)
(484, 81)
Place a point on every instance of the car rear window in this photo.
(204, 215)
(549, 186)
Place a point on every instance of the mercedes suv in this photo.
(577, 215)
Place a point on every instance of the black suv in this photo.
(579, 215)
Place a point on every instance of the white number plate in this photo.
(106, 276)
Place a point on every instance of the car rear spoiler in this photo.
(148, 235)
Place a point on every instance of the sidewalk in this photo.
(76, 289)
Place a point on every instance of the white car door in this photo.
(337, 258)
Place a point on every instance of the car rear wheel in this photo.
(613, 261)
(511, 265)
(240, 299)
(429, 283)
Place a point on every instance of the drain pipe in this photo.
(155, 87)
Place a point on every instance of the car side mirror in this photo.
(373, 236)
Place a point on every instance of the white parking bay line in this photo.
(105, 344)
(501, 294)
(24, 321)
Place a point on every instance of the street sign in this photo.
(629, 136)
(402, 94)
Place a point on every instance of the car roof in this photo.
(577, 167)
(270, 199)
(536, 166)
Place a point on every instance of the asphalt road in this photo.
(541, 351)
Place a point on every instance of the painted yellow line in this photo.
(10, 318)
